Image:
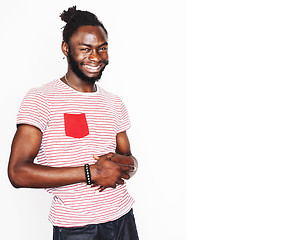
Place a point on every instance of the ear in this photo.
(65, 48)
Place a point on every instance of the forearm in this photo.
(128, 160)
(123, 154)
(22, 170)
(134, 164)
(31, 175)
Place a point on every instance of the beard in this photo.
(75, 68)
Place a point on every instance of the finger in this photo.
(125, 168)
(96, 157)
(102, 189)
(110, 155)
(120, 181)
(125, 176)
(99, 188)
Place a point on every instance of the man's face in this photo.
(88, 52)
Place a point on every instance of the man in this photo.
(77, 131)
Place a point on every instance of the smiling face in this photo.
(87, 52)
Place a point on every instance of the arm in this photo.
(122, 157)
(23, 172)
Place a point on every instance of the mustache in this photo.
(105, 62)
(75, 68)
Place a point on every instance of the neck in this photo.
(78, 84)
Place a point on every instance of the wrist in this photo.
(95, 172)
(88, 174)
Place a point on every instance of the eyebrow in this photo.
(88, 45)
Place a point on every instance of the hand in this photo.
(108, 173)
(127, 161)
(122, 160)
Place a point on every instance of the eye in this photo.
(103, 49)
(85, 49)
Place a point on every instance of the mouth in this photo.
(92, 68)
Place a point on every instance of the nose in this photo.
(95, 56)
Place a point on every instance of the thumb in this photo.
(96, 157)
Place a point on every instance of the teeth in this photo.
(93, 68)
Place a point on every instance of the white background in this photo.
(147, 69)
(237, 97)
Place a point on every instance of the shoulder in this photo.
(49, 87)
(46, 91)
(39, 96)
(108, 95)
(41, 90)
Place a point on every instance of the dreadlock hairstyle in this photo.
(76, 18)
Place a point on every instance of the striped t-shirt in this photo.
(76, 126)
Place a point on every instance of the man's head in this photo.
(85, 44)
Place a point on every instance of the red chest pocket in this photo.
(76, 125)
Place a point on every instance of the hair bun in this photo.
(67, 15)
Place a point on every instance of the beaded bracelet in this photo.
(88, 174)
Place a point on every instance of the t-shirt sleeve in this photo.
(124, 120)
(34, 110)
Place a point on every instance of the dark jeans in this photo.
(123, 228)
